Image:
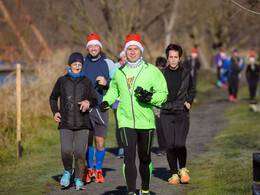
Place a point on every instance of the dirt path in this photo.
(206, 121)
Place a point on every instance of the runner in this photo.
(193, 64)
(252, 76)
(96, 67)
(76, 94)
(175, 113)
(139, 85)
(236, 66)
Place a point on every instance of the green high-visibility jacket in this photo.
(130, 112)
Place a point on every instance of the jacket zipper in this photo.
(74, 104)
(131, 95)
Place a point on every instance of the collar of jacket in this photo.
(77, 79)
(92, 59)
(123, 66)
(186, 71)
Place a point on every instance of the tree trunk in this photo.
(205, 62)
(169, 24)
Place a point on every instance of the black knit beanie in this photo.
(75, 57)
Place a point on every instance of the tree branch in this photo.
(248, 10)
(235, 13)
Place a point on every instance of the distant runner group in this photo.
(138, 92)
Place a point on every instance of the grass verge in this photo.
(40, 165)
(226, 168)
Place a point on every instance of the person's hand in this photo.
(101, 80)
(84, 105)
(104, 106)
(57, 117)
(187, 105)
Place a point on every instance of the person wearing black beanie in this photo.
(75, 57)
(77, 95)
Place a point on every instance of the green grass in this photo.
(40, 165)
(226, 168)
(206, 80)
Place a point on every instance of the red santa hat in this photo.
(133, 39)
(194, 52)
(222, 53)
(252, 58)
(93, 39)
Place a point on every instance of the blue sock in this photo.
(99, 158)
(90, 156)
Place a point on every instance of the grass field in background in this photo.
(226, 168)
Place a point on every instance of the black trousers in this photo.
(175, 130)
(118, 137)
(233, 85)
(159, 131)
(218, 73)
(252, 83)
(142, 138)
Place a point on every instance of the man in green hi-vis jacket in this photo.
(140, 85)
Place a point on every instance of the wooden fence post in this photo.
(18, 104)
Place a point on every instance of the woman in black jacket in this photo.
(252, 76)
(77, 94)
(175, 117)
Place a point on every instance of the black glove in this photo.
(142, 95)
(99, 87)
(104, 106)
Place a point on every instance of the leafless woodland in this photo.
(207, 25)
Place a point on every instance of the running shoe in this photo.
(99, 176)
(160, 152)
(131, 193)
(184, 175)
(65, 180)
(231, 98)
(120, 153)
(143, 192)
(235, 100)
(174, 179)
(79, 184)
(89, 173)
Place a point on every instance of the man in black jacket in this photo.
(193, 64)
(235, 68)
(76, 94)
(175, 113)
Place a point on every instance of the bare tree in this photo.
(170, 22)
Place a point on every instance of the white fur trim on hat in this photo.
(121, 54)
(251, 59)
(134, 43)
(223, 54)
(94, 42)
